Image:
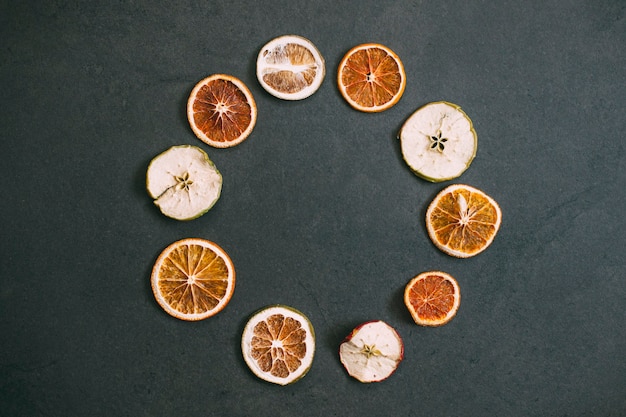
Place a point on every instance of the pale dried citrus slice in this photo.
(371, 77)
(193, 279)
(221, 111)
(438, 141)
(278, 344)
(290, 67)
(432, 298)
(462, 221)
(183, 182)
(372, 351)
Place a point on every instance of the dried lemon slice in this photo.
(183, 182)
(438, 141)
(372, 351)
(290, 67)
(278, 344)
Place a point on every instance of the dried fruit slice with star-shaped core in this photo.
(438, 141)
(290, 67)
(462, 221)
(221, 111)
(278, 344)
(193, 279)
(183, 182)
(372, 351)
(432, 298)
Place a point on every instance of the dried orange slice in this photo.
(290, 67)
(193, 279)
(438, 141)
(372, 351)
(462, 221)
(221, 111)
(183, 182)
(432, 298)
(278, 344)
(371, 77)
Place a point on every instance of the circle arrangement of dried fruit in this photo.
(183, 182)
(432, 298)
(278, 344)
(290, 67)
(371, 77)
(221, 111)
(438, 141)
(193, 279)
(462, 221)
(372, 351)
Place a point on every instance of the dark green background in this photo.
(318, 210)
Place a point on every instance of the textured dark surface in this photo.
(318, 210)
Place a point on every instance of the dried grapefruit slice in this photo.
(278, 344)
(438, 141)
(432, 298)
(290, 67)
(372, 351)
(221, 111)
(371, 77)
(462, 221)
(183, 182)
(193, 279)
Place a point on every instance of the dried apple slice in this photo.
(183, 182)
(372, 351)
(438, 141)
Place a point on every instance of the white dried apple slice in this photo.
(372, 351)
(183, 182)
(438, 141)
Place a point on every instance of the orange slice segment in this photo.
(462, 221)
(371, 77)
(193, 279)
(221, 111)
(290, 67)
(432, 298)
(278, 344)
